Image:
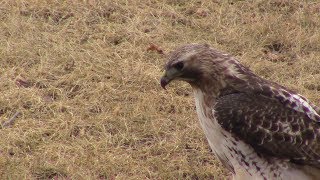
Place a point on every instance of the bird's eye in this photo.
(178, 65)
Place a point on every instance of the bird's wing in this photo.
(270, 127)
(256, 85)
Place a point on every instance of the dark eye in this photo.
(178, 65)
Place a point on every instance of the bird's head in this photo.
(200, 65)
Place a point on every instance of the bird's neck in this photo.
(207, 91)
(213, 89)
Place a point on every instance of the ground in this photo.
(84, 78)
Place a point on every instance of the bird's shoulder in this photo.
(274, 91)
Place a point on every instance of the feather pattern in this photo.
(270, 128)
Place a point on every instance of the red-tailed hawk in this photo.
(257, 128)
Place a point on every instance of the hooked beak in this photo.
(164, 81)
(168, 76)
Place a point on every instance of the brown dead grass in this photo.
(88, 90)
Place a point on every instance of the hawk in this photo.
(258, 129)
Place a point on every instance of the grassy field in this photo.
(87, 88)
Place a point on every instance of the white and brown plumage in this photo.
(258, 129)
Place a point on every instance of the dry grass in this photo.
(88, 90)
